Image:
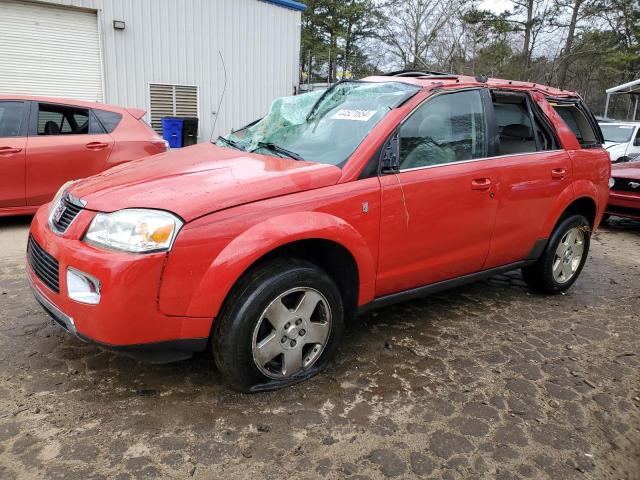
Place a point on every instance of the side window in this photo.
(109, 120)
(447, 128)
(520, 128)
(11, 117)
(578, 124)
(514, 127)
(62, 120)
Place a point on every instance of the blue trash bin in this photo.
(172, 131)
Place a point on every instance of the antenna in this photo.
(224, 89)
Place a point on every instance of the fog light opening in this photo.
(82, 287)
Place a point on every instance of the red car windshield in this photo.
(323, 127)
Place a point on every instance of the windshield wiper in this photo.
(231, 143)
(275, 148)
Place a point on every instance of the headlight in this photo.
(612, 182)
(134, 230)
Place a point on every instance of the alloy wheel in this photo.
(568, 256)
(292, 333)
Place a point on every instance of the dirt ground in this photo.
(485, 381)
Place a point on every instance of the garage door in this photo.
(49, 51)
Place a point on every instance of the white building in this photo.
(165, 56)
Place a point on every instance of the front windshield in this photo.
(617, 133)
(324, 127)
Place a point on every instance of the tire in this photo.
(541, 277)
(244, 337)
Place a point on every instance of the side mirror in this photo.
(390, 155)
(636, 142)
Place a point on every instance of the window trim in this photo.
(24, 122)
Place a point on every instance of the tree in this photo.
(334, 29)
(530, 17)
(411, 28)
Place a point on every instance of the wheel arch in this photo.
(323, 239)
(585, 206)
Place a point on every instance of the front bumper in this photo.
(127, 317)
(624, 204)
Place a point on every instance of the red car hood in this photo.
(201, 179)
(626, 170)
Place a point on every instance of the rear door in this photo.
(65, 143)
(535, 171)
(14, 115)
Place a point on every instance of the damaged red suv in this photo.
(371, 192)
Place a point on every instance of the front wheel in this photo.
(563, 257)
(280, 325)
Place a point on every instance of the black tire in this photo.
(232, 335)
(539, 276)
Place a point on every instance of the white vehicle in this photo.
(622, 140)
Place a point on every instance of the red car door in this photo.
(438, 212)
(13, 145)
(535, 172)
(65, 143)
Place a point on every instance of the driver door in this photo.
(439, 210)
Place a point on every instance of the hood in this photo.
(629, 170)
(201, 179)
(615, 150)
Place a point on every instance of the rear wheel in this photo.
(280, 325)
(563, 257)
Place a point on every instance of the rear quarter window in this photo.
(109, 120)
(578, 123)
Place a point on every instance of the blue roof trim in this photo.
(288, 4)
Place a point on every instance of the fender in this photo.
(266, 236)
(579, 189)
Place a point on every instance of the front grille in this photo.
(64, 212)
(44, 265)
(626, 185)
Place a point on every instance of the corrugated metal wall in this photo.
(177, 41)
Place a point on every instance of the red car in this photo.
(624, 198)
(372, 192)
(45, 142)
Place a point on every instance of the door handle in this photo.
(9, 150)
(558, 173)
(96, 145)
(481, 184)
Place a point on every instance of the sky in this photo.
(496, 6)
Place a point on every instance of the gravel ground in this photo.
(485, 381)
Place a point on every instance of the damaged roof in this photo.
(288, 4)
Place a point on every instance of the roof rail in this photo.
(418, 74)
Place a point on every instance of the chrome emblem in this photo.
(634, 184)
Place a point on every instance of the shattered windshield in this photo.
(324, 127)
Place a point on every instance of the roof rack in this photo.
(418, 74)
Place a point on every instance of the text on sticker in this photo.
(358, 115)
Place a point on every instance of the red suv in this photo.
(44, 142)
(374, 191)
